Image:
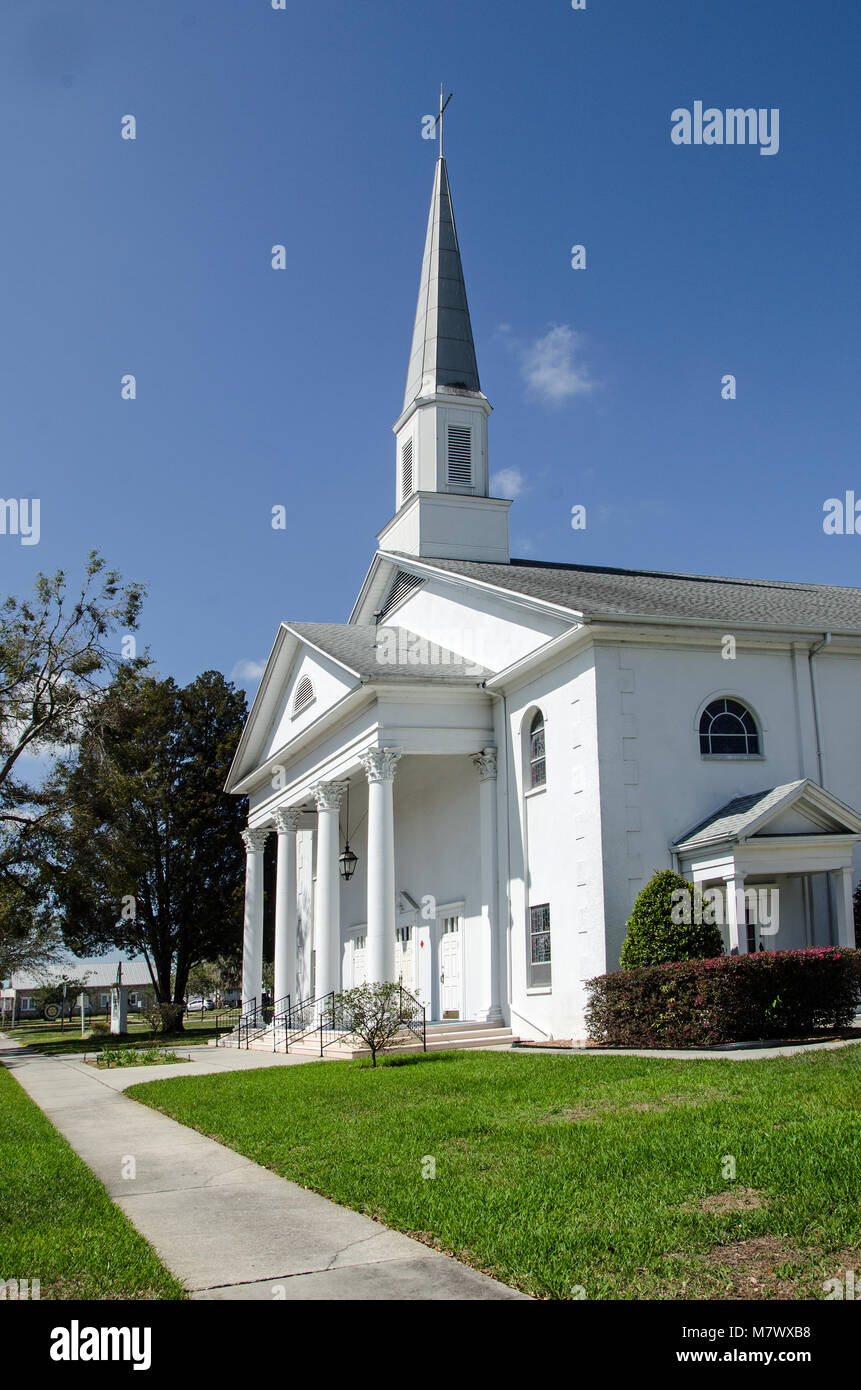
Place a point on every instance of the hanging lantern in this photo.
(347, 862)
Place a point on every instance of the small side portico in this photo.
(782, 860)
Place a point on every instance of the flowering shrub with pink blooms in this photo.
(696, 1003)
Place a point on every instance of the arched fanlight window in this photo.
(537, 754)
(728, 727)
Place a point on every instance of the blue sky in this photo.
(257, 387)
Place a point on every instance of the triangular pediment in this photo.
(793, 809)
(480, 622)
(803, 819)
(299, 685)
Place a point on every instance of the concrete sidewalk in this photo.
(224, 1226)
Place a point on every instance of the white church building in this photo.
(473, 777)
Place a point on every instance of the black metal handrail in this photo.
(301, 1019)
(305, 1016)
(242, 1017)
(280, 1015)
(413, 1016)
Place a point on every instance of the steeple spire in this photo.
(442, 502)
(443, 351)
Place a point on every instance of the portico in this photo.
(782, 860)
(405, 912)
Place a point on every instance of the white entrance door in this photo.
(450, 990)
(405, 960)
(360, 959)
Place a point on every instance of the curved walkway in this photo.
(224, 1226)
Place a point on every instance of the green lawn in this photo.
(47, 1038)
(57, 1222)
(553, 1173)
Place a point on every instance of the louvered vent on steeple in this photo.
(402, 585)
(406, 470)
(460, 456)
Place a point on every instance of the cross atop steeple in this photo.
(438, 121)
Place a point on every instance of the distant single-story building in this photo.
(22, 998)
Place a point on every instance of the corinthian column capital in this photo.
(287, 819)
(328, 795)
(255, 840)
(485, 763)
(379, 763)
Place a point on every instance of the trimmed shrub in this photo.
(664, 927)
(771, 994)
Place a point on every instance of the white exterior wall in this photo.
(838, 686)
(555, 848)
(654, 783)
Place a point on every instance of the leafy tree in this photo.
(373, 1013)
(27, 947)
(148, 854)
(56, 659)
(670, 922)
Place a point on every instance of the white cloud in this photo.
(508, 482)
(247, 672)
(549, 366)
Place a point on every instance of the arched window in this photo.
(537, 755)
(728, 727)
(304, 695)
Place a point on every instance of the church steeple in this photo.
(442, 501)
(443, 351)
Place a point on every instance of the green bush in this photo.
(657, 929)
(697, 1003)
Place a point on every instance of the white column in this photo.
(327, 896)
(379, 765)
(735, 913)
(252, 936)
(845, 908)
(286, 824)
(485, 763)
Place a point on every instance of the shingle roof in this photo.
(390, 653)
(732, 820)
(95, 974)
(597, 590)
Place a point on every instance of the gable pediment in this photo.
(480, 623)
(793, 809)
(276, 716)
(313, 685)
(802, 819)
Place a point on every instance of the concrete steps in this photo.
(441, 1037)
